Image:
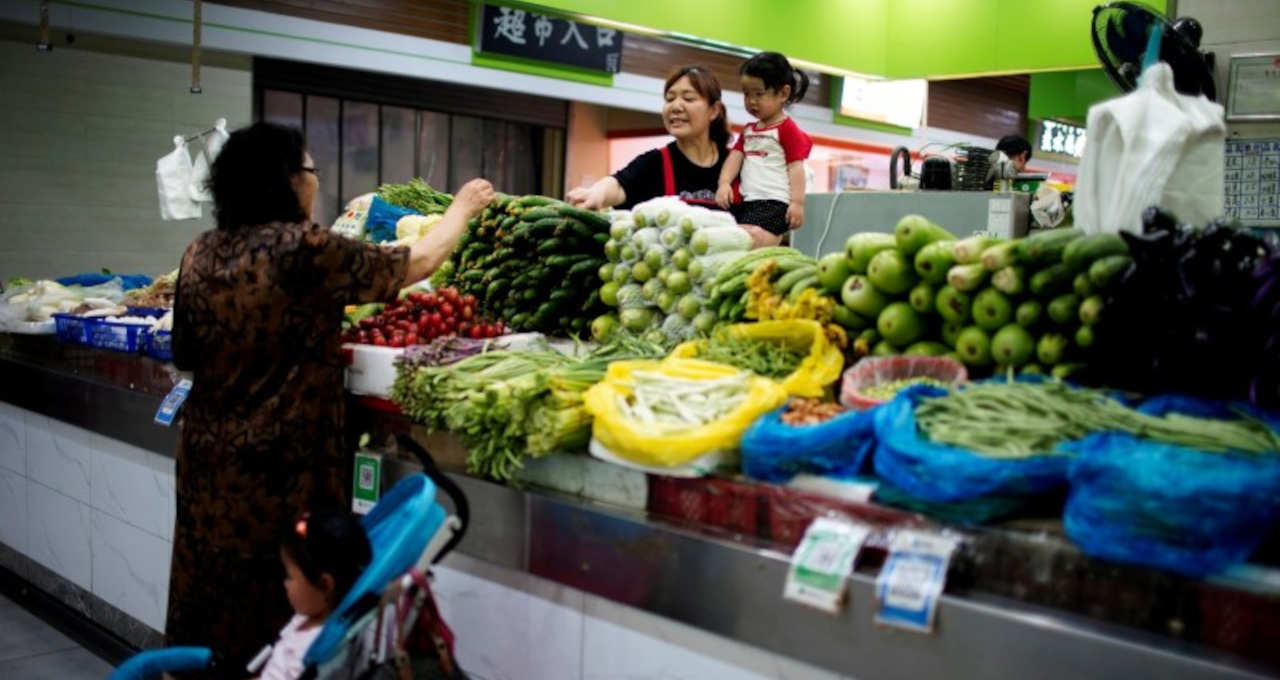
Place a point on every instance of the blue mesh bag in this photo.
(940, 473)
(774, 451)
(1161, 505)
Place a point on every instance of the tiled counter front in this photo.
(89, 519)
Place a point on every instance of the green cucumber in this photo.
(597, 221)
(785, 282)
(540, 214)
(1086, 249)
(550, 246)
(1045, 248)
(810, 281)
(1105, 271)
(1051, 280)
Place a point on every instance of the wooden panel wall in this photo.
(647, 56)
(991, 107)
(436, 19)
(447, 20)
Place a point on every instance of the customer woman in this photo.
(688, 167)
(257, 319)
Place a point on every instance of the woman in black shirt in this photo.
(689, 167)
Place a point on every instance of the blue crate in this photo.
(158, 345)
(121, 337)
(71, 328)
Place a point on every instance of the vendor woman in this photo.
(688, 167)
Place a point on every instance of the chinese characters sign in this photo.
(1061, 138)
(1252, 181)
(517, 33)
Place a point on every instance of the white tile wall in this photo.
(59, 456)
(13, 439)
(13, 510)
(134, 486)
(504, 632)
(58, 531)
(82, 133)
(130, 569)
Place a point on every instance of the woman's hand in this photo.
(604, 194)
(724, 196)
(473, 197)
(795, 215)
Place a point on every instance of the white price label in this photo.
(822, 562)
(912, 580)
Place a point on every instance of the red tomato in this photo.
(447, 309)
(411, 338)
(436, 318)
(429, 299)
(464, 327)
(467, 312)
(477, 331)
(379, 341)
(363, 337)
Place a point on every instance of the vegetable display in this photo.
(506, 405)
(990, 303)
(663, 256)
(1017, 420)
(415, 195)
(419, 317)
(768, 359)
(532, 261)
(668, 404)
(1205, 303)
(801, 411)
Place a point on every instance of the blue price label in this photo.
(172, 402)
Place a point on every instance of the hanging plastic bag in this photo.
(380, 222)
(638, 442)
(173, 175)
(820, 367)
(774, 451)
(942, 473)
(1172, 507)
(1152, 146)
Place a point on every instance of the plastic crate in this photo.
(158, 345)
(121, 337)
(716, 502)
(71, 328)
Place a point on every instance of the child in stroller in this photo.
(389, 612)
(322, 556)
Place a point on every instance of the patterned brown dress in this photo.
(257, 319)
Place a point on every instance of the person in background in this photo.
(322, 556)
(257, 319)
(767, 162)
(689, 166)
(1017, 148)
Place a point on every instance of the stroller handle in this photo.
(442, 481)
(155, 662)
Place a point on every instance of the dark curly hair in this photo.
(332, 543)
(251, 179)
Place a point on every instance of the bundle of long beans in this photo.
(1018, 420)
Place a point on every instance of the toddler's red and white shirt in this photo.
(767, 152)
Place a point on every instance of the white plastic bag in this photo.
(173, 177)
(1152, 146)
(198, 186)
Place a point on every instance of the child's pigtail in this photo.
(799, 85)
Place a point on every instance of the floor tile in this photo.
(71, 664)
(23, 634)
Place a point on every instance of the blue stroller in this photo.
(363, 637)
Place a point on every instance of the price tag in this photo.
(820, 566)
(172, 402)
(367, 485)
(1000, 216)
(912, 580)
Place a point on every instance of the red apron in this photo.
(669, 182)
